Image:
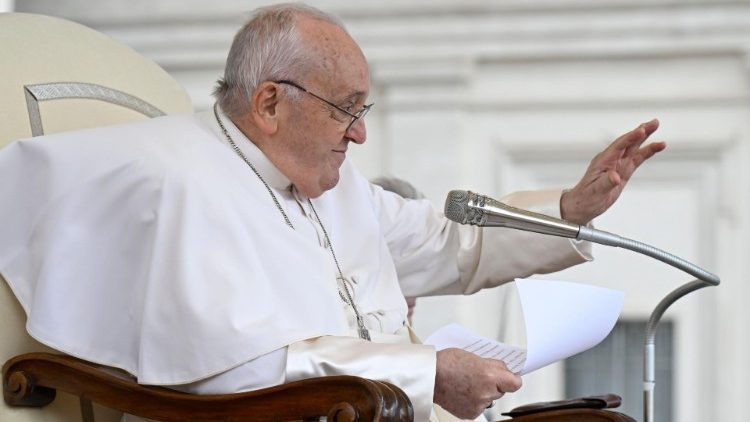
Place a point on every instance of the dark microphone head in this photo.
(455, 206)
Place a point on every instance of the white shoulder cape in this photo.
(151, 248)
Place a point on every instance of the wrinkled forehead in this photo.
(337, 61)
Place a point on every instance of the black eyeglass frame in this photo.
(354, 116)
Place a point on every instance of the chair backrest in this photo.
(56, 75)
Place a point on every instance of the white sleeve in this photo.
(489, 257)
(409, 366)
(434, 255)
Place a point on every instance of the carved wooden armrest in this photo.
(32, 379)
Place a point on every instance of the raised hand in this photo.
(466, 384)
(608, 173)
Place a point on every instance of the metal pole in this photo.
(704, 279)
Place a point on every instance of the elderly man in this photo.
(239, 248)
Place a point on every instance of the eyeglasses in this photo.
(354, 116)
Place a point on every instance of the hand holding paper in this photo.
(562, 319)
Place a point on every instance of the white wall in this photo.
(504, 95)
(6, 5)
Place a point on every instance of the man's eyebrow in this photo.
(354, 96)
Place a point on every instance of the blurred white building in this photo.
(502, 95)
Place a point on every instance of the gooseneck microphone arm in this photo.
(470, 208)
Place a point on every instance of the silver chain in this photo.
(362, 331)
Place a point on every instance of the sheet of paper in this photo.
(454, 335)
(561, 318)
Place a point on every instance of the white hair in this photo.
(398, 186)
(267, 48)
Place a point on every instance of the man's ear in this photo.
(265, 107)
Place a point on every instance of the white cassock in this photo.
(152, 247)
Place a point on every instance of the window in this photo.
(616, 366)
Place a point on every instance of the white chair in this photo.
(57, 75)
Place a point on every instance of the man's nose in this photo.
(357, 132)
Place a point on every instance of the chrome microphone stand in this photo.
(703, 279)
(470, 208)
